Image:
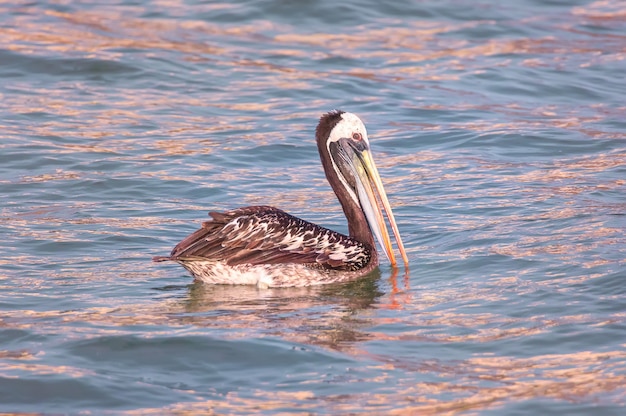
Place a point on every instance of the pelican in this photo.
(265, 246)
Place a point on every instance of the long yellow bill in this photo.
(368, 176)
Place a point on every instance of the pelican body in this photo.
(264, 246)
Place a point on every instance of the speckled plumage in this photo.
(267, 247)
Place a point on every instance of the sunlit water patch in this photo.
(498, 130)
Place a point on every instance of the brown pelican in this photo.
(267, 247)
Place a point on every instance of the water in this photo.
(499, 130)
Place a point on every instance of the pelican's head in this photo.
(343, 137)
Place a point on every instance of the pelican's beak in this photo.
(368, 186)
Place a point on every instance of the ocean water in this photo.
(499, 129)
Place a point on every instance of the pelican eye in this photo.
(357, 137)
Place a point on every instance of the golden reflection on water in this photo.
(341, 318)
(336, 320)
(99, 33)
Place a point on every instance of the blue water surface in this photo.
(499, 129)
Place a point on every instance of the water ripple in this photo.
(498, 130)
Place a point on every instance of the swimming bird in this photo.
(265, 246)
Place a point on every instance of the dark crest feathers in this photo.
(327, 122)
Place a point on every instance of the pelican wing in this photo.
(267, 235)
